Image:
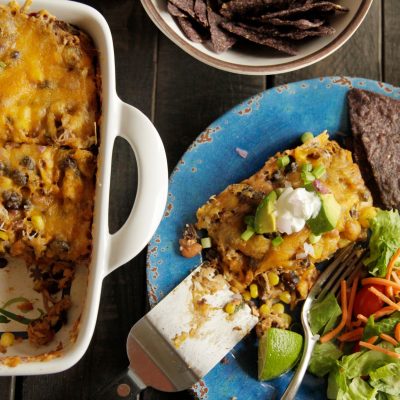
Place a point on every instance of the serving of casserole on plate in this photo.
(278, 254)
(55, 160)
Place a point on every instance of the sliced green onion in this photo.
(277, 241)
(319, 171)
(306, 137)
(283, 161)
(314, 238)
(206, 243)
(307, 167)
(3, 64)
(307, 177)
(309, 187)
(249, 220)
(247, 234)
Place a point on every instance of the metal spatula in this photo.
(177, 343)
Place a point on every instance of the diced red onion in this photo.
(242, 153)
(320, 187)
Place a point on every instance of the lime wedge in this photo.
(278, 352)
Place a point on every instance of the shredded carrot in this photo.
(390, 266)
(362, 318)
(343, 302)
(389, 339)
(396, 277)
(397, 332)
(392, 261)
(352, 336)
(351, 301)
(372, 339)
(356, 324)
(384, 311)
(380, 349)
(380, 281)
(384, 298)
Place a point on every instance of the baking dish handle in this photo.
(152, 188)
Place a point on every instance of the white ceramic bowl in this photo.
(109, 251)
(253, 60)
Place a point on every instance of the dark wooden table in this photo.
(181, 96)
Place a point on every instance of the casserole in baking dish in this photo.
(56, 138)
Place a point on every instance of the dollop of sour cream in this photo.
(294, 207)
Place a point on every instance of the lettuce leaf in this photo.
(324, 313)
(356, 390)
(385, 325)
(386, 379)
(364, 362)
(384, 241)
(323, 359)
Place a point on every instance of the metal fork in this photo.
(345, 265)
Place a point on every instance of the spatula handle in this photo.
(125, 386)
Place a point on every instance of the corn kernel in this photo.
(317, 251)
(246, 296)
(7, 339)
(37, 222)
(285, 297)
(3, 235)
(366, 214)
(264, 310)
(253, 291)
(5, 183)
(273, 278)
(230, 308)
(278, 308)
(286, 318)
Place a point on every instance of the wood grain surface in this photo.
(181, 96)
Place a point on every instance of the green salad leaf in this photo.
(386, 379)
(323, 359)
(385, 325)
(384, 241)
(358, 389)
(324, 314)
(364, 362)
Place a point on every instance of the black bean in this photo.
(69, 162)
(15, 54)
(277, 176)
(19, 177)
(290, 280)
(292, 166)
(59, 246)
(28, 162)
(26, 205)
(3, 262)
(12, 200)
(190, 233)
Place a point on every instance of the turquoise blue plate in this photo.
(262, 125)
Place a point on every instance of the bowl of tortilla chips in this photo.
(258, 37)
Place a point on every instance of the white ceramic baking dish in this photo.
(109, 251)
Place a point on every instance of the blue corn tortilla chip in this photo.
(260, 38)
(190, 30)
(200, 10)
(221, 40)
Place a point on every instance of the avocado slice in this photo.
(328, 215)
(265, 220)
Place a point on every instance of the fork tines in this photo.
(346, 264)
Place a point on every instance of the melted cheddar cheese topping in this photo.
(223, 216)
(48, 81)
(49, 111)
